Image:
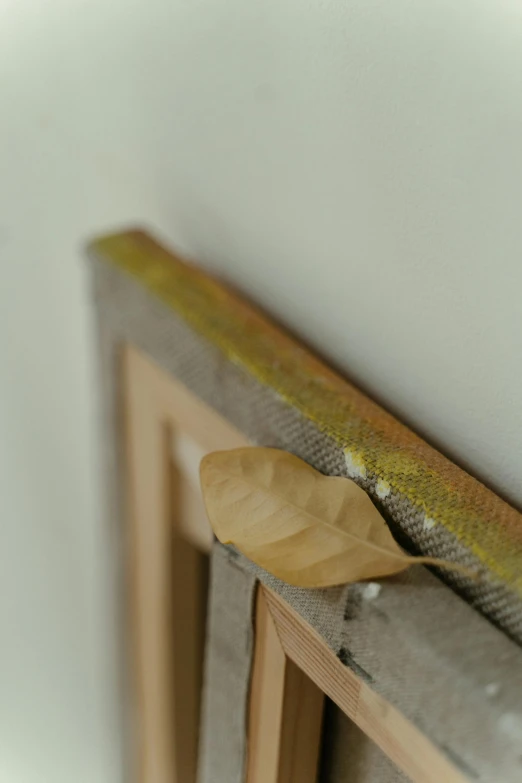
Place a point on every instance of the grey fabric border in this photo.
(223, 745)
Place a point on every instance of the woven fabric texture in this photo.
(408, 639)
(223, 746)
(427, 495)
(269, 418)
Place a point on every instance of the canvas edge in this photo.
(120, 316)
(392, 464)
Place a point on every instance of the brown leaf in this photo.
(305, 528)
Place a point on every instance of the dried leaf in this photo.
(305, 528)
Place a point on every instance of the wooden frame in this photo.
(156, 408)
(166, 605)
(285, 713)
(292, 665)
(403, 743)
(202, 367)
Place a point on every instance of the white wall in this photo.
(355, 165)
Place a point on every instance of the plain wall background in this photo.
(354, 165)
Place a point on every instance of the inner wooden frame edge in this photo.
(155, 401)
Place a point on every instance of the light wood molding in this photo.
(399, 739)
(166, 428)
(293, 666)
(285, 714)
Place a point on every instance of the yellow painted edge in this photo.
(372, 439)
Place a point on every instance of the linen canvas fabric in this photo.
(229, 646)
(280, 395)
(460, 688)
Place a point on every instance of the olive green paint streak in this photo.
(385, 449)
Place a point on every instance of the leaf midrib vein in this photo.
(317, 520)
